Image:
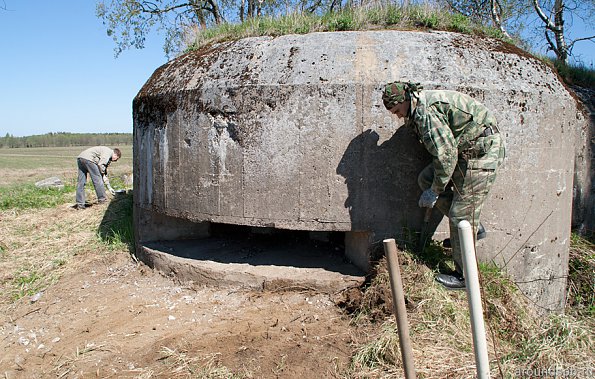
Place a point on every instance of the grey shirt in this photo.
(100, 155)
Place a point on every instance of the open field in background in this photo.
(29, 165)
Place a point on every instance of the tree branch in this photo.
(152, 8)
(571, 44)
(496, 8)
(552, 44)
(582, 39)
(548, 22)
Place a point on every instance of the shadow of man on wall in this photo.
(382, 186)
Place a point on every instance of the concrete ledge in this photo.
(253, 265)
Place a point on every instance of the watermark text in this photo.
(556, 372)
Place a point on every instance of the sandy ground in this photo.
(103, 315)
(115, 318)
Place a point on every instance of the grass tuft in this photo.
(581, 276)
(27, 283)
(27, 196)
(575, 74)
(383, 351)
(181, 363)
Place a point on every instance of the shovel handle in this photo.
(428, 215)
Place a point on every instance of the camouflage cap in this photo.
(398, 92)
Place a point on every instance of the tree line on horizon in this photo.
(63, 139)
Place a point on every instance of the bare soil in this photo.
(115, 318)
(107, 316)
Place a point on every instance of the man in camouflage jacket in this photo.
(462, 136)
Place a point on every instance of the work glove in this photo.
(428, 199)
(108, 185)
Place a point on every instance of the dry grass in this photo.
(68, 365)
(37, 246)
(581, 282)
(182, 365)
(41, 244)
(518, 339)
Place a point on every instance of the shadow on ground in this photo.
(116, 225)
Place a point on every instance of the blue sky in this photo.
(58, 72)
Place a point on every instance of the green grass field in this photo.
(28, 165)
(50, 157)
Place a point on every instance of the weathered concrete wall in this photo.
(291, 132)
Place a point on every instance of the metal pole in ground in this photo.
(474, 298)
(396, 285)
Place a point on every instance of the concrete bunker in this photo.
(290, 133)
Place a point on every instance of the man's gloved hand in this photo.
(428, 199)
(108, 185)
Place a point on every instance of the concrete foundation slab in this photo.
(254, 264)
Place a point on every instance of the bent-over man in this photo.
(94, 161)
(462, 137)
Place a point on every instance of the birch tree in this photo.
(554, 20)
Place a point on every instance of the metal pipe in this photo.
(474, 298)
(396, 285)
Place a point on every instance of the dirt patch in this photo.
(86, 308)
(115, 318)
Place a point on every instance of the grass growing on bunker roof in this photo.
(351, 19)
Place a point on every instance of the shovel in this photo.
(423, 237)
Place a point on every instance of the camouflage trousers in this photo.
(463, 199)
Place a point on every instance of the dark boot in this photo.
(454, 281)
(481, 234)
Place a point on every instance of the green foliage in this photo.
(28, 283)
(581, 276)
(126, 23)
(459, 23)
(575, 74)
(495, 283)
(394, 16)
(341, 22)
(27, 196)
(429, 21)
